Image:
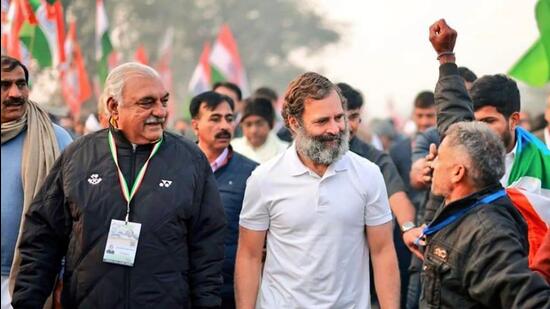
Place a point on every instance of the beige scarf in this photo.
(40, 149)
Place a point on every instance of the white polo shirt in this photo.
(317, 254)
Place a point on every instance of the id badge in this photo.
(122, 243)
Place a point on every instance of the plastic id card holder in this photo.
(122, 243)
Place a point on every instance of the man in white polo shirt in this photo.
(323, 209)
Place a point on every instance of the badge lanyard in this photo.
(126, 192)
(432, 229)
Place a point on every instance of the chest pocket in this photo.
(433, 271)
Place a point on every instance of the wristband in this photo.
(445, 53)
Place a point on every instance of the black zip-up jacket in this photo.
(180, 250)
(480, 260)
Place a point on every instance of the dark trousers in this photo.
(404, 260)
(228, 303)
(413, 295)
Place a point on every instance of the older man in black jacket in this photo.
(476, 253)
(134, 209)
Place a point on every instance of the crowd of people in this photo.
(261, 210)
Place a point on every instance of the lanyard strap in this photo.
(126, 192)
(429, 230)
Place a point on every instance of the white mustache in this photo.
(154, 120)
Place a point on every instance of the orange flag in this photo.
(141, 55)
(76, 86)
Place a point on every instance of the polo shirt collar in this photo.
(297, 168)
(342, 163)
(295, 165)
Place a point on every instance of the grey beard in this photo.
(316, 151)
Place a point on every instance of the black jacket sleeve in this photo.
(422, 143)
(206, 243)
(451, 98)
(43, 242)
(394, 182)
(497, 273)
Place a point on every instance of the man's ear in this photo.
(513, 120)
(293, 123)
(195, 125)
(458, 173)
(112, 106)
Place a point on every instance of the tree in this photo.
(266, 32)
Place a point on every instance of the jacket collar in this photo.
(123, 143)
(445, 211)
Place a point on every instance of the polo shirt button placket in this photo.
(322, 202)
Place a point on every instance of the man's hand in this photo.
(411, 239)
(443, 39)
(57, 294)
(421, 170)
(421, 174)
(428, 168)
(384, 264)
(248, 266)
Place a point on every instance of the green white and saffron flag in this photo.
(531, 169)
(201, 78)
(225, 61)
(529, 186)
(43, 31)
(534, 67)
(103, 42)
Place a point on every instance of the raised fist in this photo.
(442, 37)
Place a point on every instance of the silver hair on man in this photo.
(114, 84)
(484, 149)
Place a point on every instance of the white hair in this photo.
(484, 149)
(116, 80)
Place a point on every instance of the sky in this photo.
(384, 50)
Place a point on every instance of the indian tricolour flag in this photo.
(225, 60)
(201, 78)
(103, 46)
(14, 21)
(534, 67)
(529, 186)
(43, 31)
